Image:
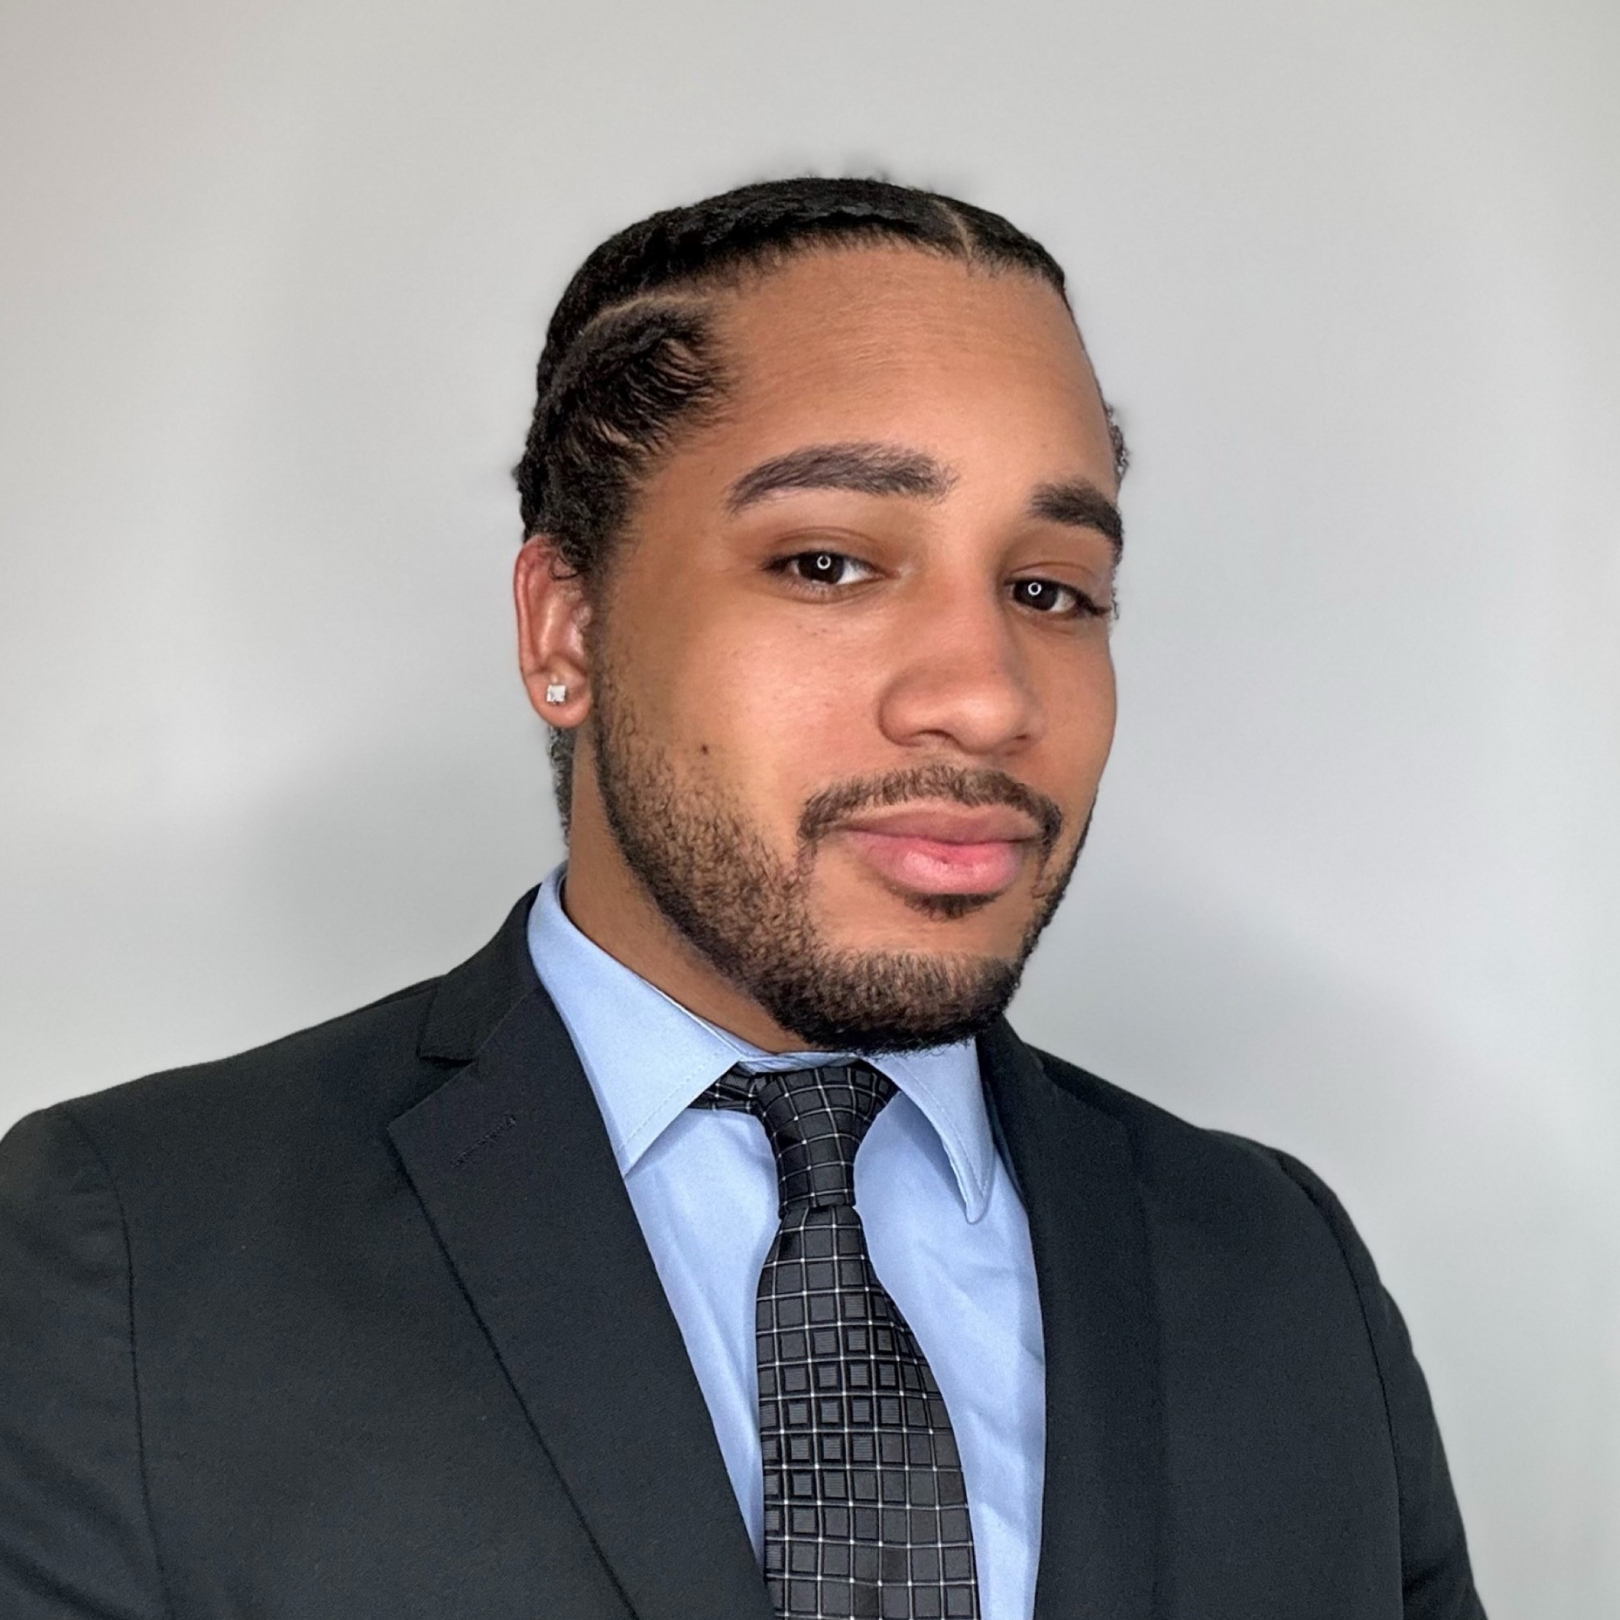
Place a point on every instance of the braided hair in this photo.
(630, 358)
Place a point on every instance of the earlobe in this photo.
(552, 613)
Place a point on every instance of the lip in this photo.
(939, 850)
(948, 824)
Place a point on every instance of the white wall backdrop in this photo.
(273, 282)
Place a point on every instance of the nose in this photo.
(959, 678)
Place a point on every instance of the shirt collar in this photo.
(648, 1058)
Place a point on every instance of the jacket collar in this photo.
(472, 999)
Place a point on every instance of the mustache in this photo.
(973, 788)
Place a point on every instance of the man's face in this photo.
(851, 687)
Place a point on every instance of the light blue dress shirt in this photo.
(945, 1228)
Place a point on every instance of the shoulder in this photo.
(1166, 1146)
(305, 1116)
(339, 1078)
(1228, 1190)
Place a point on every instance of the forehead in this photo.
(879, 342)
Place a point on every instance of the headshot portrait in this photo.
(812, 816)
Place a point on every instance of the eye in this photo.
(1049, 597)
(823, 568)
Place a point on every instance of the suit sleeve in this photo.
(1436, 1578)
(75, 1534)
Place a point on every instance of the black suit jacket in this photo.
(362, 1324)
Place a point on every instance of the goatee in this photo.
(714, 878)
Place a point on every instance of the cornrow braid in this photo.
(609, 404)
(630, 360)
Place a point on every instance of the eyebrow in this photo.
(866, 469)
(1080, 504)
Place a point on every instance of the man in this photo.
(708, 1245)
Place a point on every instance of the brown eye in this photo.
(1054, 600)
(820, 567)
(1044, 596)
(826, 568)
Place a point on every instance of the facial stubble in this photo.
(716, 880)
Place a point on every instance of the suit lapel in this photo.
(1102, 1506)
(512, 1164)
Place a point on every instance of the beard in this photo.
(715, 879)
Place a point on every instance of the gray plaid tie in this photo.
(865, 1510)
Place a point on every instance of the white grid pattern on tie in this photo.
(865, 1505)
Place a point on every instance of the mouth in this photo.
(944, 849)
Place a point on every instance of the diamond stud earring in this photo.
(556, 692)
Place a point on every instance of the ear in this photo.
(551, 617)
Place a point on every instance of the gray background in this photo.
(273, 284)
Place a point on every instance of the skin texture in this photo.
(738, 686)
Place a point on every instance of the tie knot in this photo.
(815, 1119)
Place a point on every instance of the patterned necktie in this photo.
(865, 1510)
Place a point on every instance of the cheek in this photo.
(776, 718)
(1081, 731)
(1102, 705)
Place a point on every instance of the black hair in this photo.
(630, 359)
